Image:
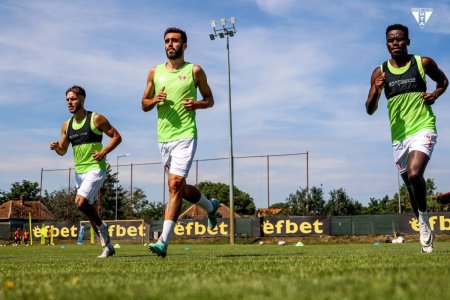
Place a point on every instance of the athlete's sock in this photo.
(168, 226)
(205, 203)
(423, 217)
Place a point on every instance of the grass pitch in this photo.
(334, 271)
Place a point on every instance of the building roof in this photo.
(266, 212)
(196, 212)
(20, 210)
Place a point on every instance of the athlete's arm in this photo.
(102, 124)
(149, 100)
(61, 146)
(436, 74)
(202, 83)
(376, 87)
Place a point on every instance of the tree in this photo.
(405, 203)
(377, 206)
(152, 211)
(62, 205)
(243, 203)
(340, 204)
(108, 197)
(142, 208)
(30, 190)
(316, 202)
(299, 204)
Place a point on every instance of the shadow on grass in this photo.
(259, 255)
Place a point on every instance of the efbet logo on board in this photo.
(422, 15)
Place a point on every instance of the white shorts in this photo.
(422, 141)
(177, 156)
(89, 183)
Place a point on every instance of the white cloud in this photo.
(300, 75)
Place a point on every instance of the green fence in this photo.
(364, 224)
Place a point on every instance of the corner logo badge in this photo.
(422, 15)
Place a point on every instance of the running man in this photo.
(85, 131)
(17, 236)
(172, 88)
(412, 121)
(26, 237)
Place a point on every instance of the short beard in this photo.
(177, 54)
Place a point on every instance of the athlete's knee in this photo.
(415, 176)
(176, 183)
(80, 202)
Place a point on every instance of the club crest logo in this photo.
(182, 77)
(422, 15)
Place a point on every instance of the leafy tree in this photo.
(27, 188)
(243, 203)
(142, 208)
(405, 204)
(316, 202)
(152, 211)
(63, 206)
(300, 205)
(297, 203)
(340, 204)
(108, 197)
(377, 207)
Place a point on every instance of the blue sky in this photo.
(300, 76)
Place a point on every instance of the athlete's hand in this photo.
(379, 82)
(98, 156)
(429, 98)
(189, 104)
(161, 96)
(54, 145)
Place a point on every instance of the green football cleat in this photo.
(212, 219)
(158, 248)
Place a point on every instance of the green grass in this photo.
(334, 271)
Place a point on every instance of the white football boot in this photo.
(107, 251)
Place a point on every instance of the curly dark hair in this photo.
(398, 27)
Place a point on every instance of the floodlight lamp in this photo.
(232, 20)
(212, 37)
(230, 33)
(213, 23)
(221, 35)
(222, 22)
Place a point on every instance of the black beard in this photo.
(174, 55)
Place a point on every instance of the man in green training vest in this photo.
(85, 131)
(412, 121)
(172, 89)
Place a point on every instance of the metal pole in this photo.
(164, 193)
(117, 175)
(131, 189)
(268, 181)
(40, 190)
(117, 182)
(40, 196)
(231, 149)
(307, 182)
(68, 197)
(196, 171)
(399, 193)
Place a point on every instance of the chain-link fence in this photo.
(266, 178)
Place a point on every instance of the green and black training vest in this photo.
(86, 139)
(408, 113)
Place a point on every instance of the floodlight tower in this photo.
(228, 31)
